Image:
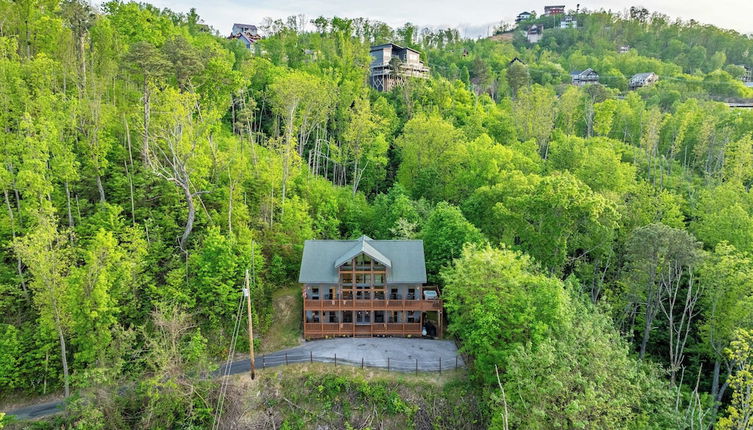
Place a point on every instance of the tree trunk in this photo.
(68, 204)
(129, 171)
(190, 219)
(101, 190)
(64, 357)
(230, 208)
(715, 381)
(147, 110)
(19, 265)
(646, 334)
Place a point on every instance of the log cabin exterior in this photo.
(366, 287)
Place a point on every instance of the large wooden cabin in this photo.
(367, 287)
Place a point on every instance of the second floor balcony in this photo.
(364, 300)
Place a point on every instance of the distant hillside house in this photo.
(640, 80)
(585, 77)
(748, 75)
(516, 60)
(569, 22)
(534, 33)
(367, 287)
(392, 64)
(246, 33)
(523, 16)
(554, 10)
(623, 49)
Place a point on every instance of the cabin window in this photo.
(378, 316)
(315, 293)
(347, 317)
(394, 295)
(346, 278)
(363, 260)
(363, 278)
(378, 279)
(411, 294)
(333, 317)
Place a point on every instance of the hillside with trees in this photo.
(593, 244)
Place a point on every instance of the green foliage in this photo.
(740, 411)
(584, 377)
(10, 351)
(445, 234)
(498, 300)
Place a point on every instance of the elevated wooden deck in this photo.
(317, 330)
(372, 305)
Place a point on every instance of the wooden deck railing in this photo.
(375, 304)
(312, 330)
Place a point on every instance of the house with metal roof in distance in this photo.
(367, 287)
(392, 64)
(584, 77)
(534, 33)
(640, 80)
(569, 21)
(523, 16)
(248, 34)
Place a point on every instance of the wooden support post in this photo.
(247, 293)
(417, 366)
(335, 360)
(456, 362)
(361, 362)
(286, 358)
(311, 356)
(388, 365)
(440, 365)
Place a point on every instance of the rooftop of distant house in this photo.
(394, 46)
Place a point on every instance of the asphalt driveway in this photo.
(394, 353)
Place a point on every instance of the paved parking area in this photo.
(397, 353)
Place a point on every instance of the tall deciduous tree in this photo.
(534, 112)
(178, 153)
(45, 252)
(497, 301)
(444, 235)
(659, 258)
(740, 411)
(727, 277)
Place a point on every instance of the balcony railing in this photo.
(350, 329)
(357, 304)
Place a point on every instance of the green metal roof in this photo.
(363, 247)
(404, 259)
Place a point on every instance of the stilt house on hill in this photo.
(392, 64)
(367, 287)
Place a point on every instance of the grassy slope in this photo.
(285, 328)
(319, 395)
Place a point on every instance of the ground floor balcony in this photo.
(319, 330)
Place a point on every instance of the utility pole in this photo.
(247, 293)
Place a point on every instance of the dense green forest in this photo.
(593, 244)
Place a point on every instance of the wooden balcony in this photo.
(315, 330)
(371, 304)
